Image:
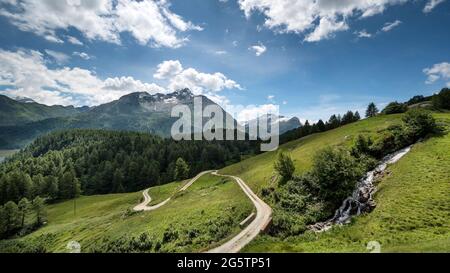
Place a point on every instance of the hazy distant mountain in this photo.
(133, 112)
(21, 110)
(24, 99)
(285, 124)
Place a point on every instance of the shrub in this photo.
(419, 123)
(337, 173)
(286, 224)
(361, 146)
(285, 167)
(124, 244)
(395, 108)
(442, 100)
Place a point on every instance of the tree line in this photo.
(439, 101)
(334, 122)
(25, 216)
(64, 164)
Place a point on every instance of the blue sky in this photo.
(311, 68)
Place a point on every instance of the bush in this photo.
(125, 244)
(417, 99)
(361, 146)
(285, 167)
(395, 108)
(337, 173)
(442, 100)
(286, 224)
(419, 123)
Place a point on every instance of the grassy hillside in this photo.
(258, 171)
(412, 212)
(413, 200)
(204, 215)
(13, 112)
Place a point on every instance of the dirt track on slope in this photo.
(261, 221)
(147, 199)
(235, 244)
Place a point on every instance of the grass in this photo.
(258, 171)
(161, 193)
(412, 214)
(201, 208)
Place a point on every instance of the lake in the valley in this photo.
(5, 153)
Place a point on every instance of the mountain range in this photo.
(21, 110)
(23, 120)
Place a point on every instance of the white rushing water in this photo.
(361, 200)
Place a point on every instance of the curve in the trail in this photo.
(235, 244)
(147, 199)
(260, 223)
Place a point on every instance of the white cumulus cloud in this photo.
(82, 55)
(199, 82)
(440, 71)
(259, 49)
(363, 34)
(168, 69)
(148, 21)
(431, 4)
(316, 20)
(391, 25)
(74, 40)
(59, 57)
(25, 73)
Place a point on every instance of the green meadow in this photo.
(258, 171)
(206, 214)
(411, 216)
(413, 203)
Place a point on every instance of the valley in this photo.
(206, 213)
(213, 135)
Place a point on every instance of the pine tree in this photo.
(11, 216)
(334, 122)
(357, 116)
(348, 118)
(285, 167)
(321, 126)
(69, 186)
(24, 206)
(3, 229)
(118, 181)
(39, 210)
(51, 187)
(372, 110)
(181, 169)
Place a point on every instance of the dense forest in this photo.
(64, 164)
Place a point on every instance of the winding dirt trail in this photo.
(260, 223)
(147, 199)
(235, 244)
